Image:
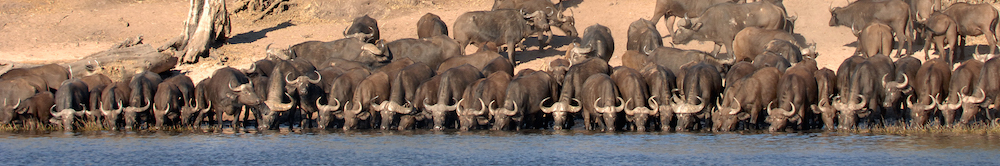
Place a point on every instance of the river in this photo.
(531, 147)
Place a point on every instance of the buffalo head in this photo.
(559, 111)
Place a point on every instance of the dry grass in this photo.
(933, 127)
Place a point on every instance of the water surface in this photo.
(493, 148)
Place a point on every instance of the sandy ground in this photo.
(52, 31)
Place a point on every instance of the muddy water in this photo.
(493, 148)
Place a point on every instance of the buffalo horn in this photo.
(547, 110)
(511, 112)
(316, 81)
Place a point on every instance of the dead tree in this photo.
(207, 25)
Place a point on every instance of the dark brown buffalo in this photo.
(860, 14)
(479, 60)
(751, 92)
(930, 83)
(69, 103)
(373, 89)
(114, 99)
(673, 58)
(143, 86)
(431, 25)
(473, 107)
(37, 112)
(963, 83)
(197, 108)
(595, 43)
(796, 91)
(226, 93)
(643, 36)
(171, 95)
(753, 41)
(770, 59)
(661, 82)
(939, 30)
(363, 28)
(738, 71)
(506, 27)
(324, 53)
(721, 22)
(826, 82)
(95, 85)
(634, 59)
(522, 103)
(866, 85)
(14, 92)
(975, 20)
(431, 51)
(876, 38)
(572, 88)
(553, 12)
(342, 92)
(640, 106)
(452, 85)
(557, 69)
(702, 83)
(279, 89)
(601, 103)
(791, 51)
(51, 75)
(673, 9)
(988, 88)
(499, 65)
(403, 89)
(906, 68)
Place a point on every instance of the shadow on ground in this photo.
(252, 36)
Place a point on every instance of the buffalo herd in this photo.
(769, 81)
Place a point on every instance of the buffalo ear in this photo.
(364, 115)
(743, 116)
(696, 26)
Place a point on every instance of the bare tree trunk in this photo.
(207, 25)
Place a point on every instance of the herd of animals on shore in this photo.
(771, 81)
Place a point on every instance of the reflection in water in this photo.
(490, 147)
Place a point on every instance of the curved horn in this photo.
(737, 108)
(599, 110)
(15, 105)
(838, 104)
(482, 108)
(906, 82)
(371, 48)
(859, 105)
(972, 99)
(933, 102)
(328, 108)
(854, 31)
(790, 113)
(547, 110)
(574, 109)
(279, 106)
(630, 111)
(701, 106)
(357, 103)
(621, 107)
(511, 112)
(647, 51)
(316, 81)
(655, 106)
(551, 11)
(147, 106)
(296, 80)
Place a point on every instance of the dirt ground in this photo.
(53, 31)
